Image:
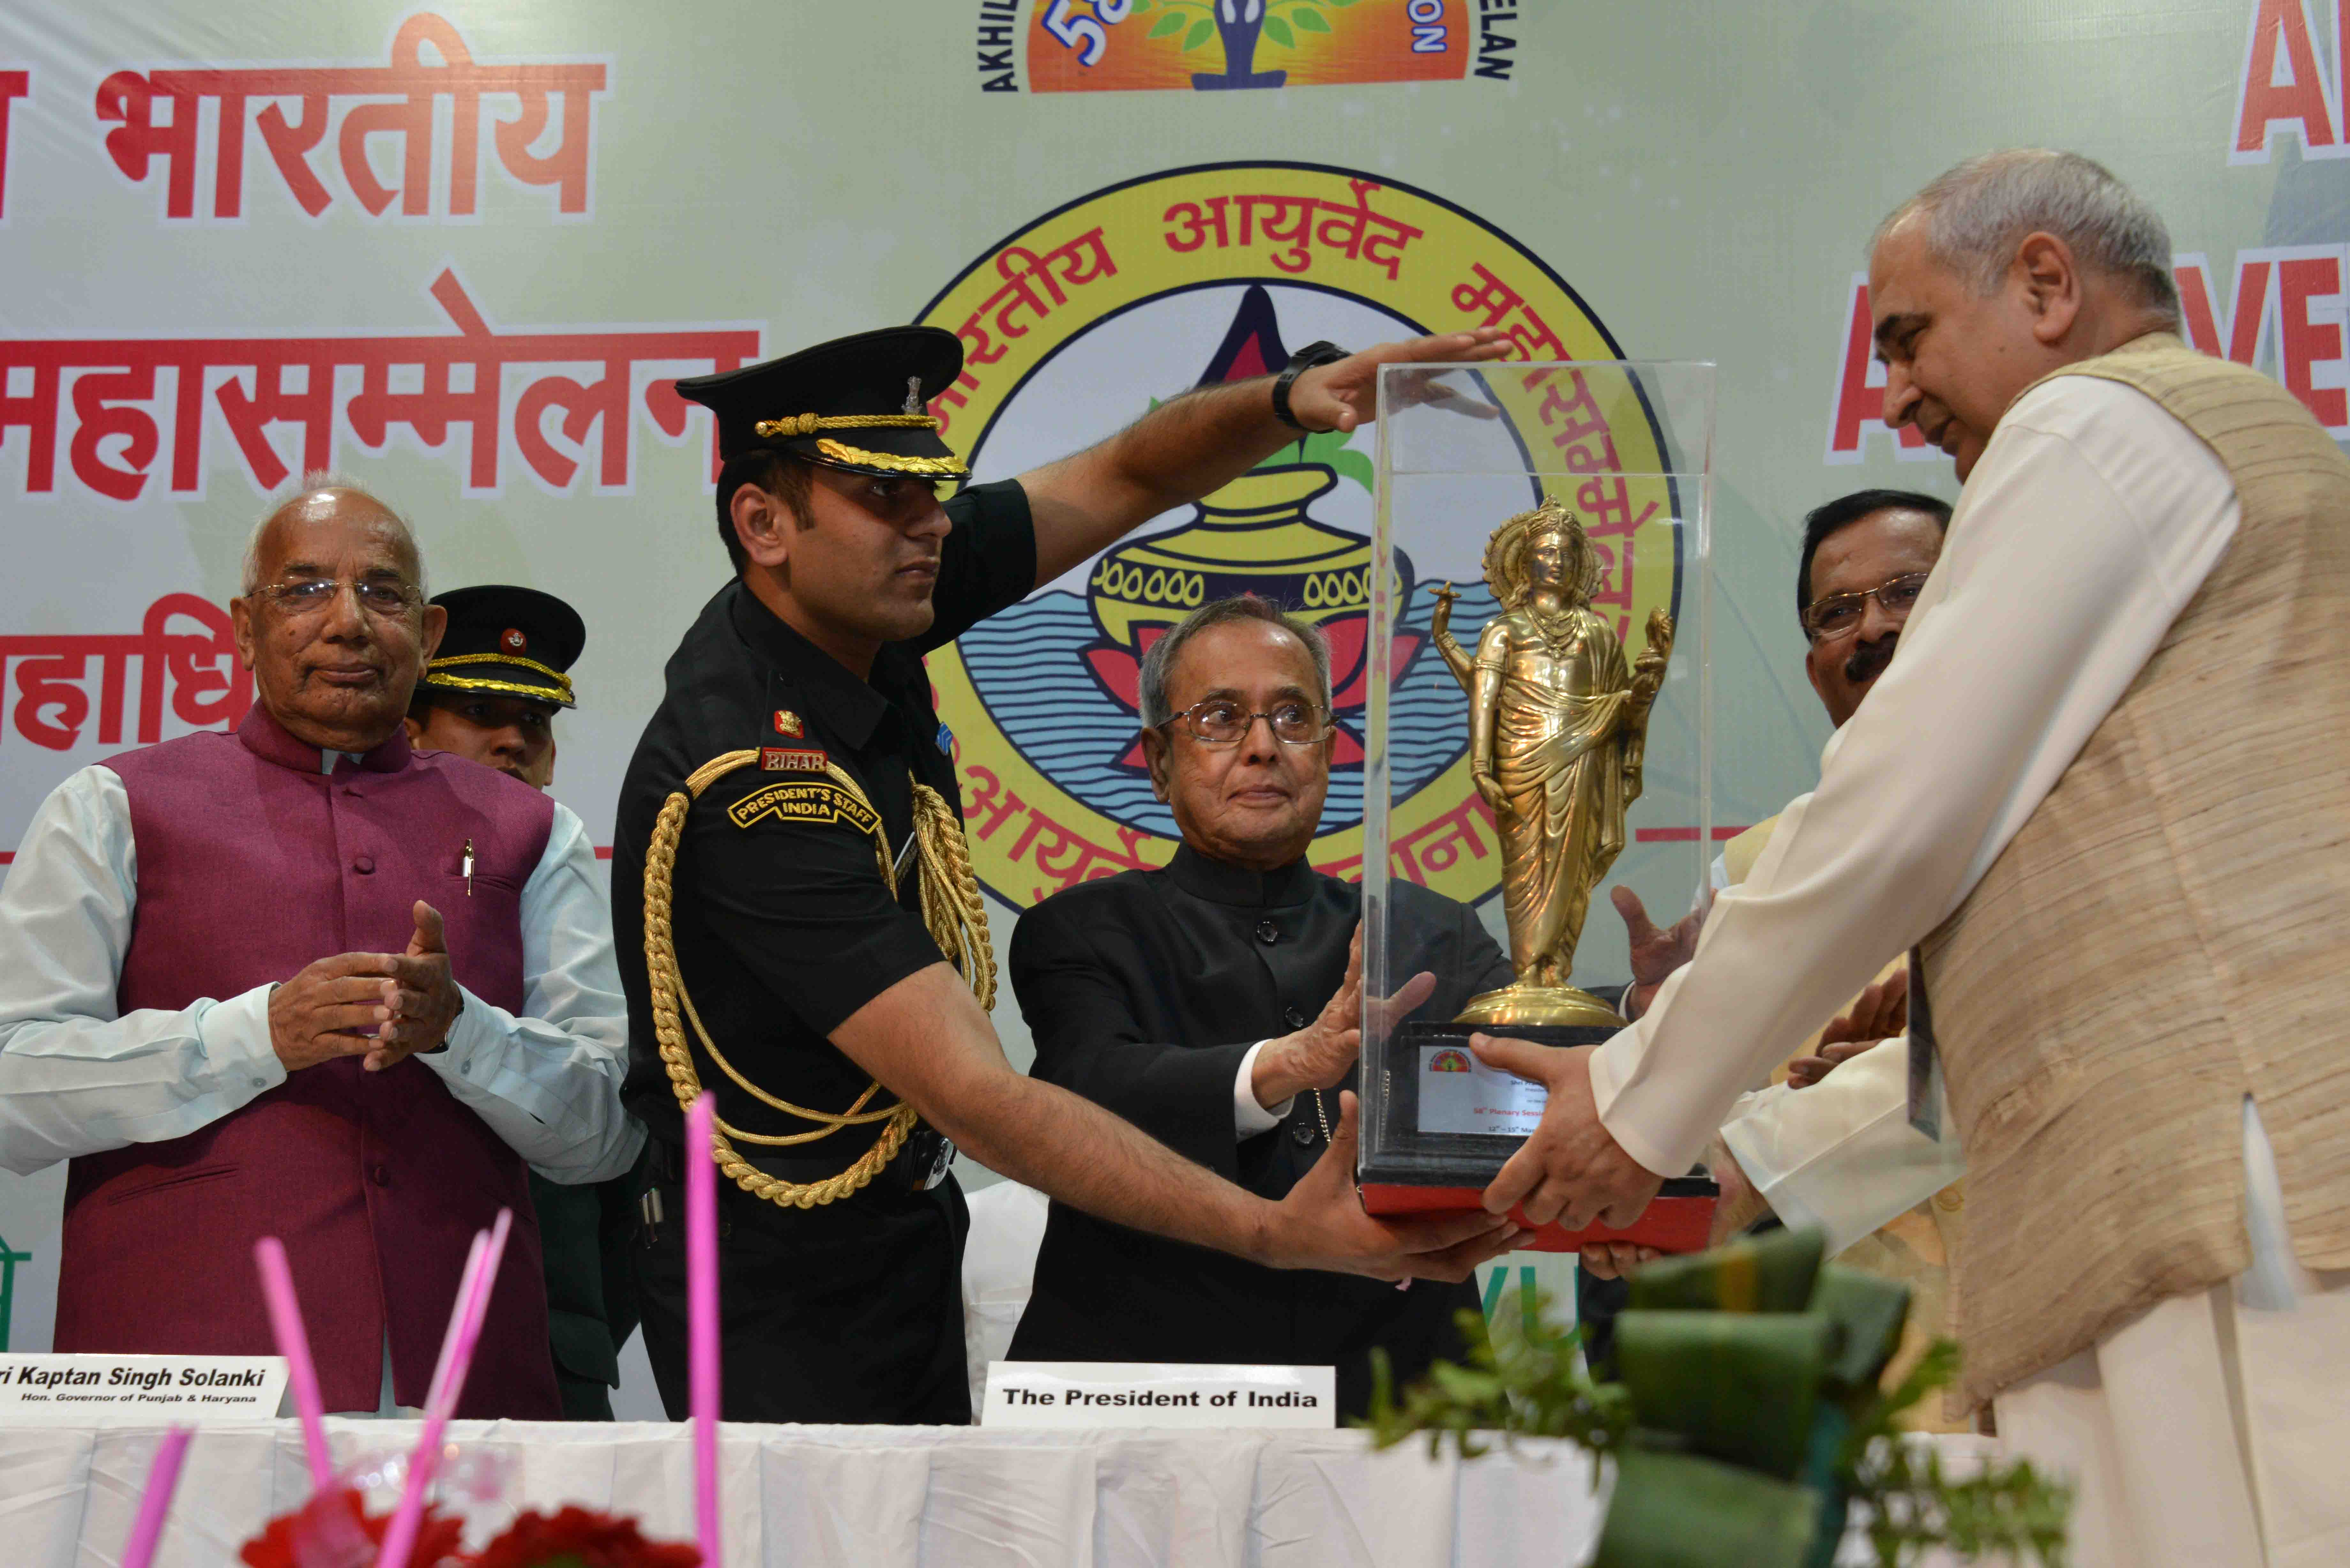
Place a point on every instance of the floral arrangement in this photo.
(1748, 1423)
(333, 1529)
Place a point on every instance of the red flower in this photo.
(333, 1530)
(580, 1538)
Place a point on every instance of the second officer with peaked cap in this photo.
(490, 693)
(800, 935)
(498, 678)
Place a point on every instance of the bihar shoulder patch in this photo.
(816, 800)
(792, 759)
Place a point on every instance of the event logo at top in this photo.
(1075, 325)
(1225, 45)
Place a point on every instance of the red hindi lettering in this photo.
(210, 685)
(118, 434)
(604, 404)
(34, 411)
(128, 99)
(1490, 303)
(274, 400)
(14, 85)
(399, 101)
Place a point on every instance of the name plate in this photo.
(83, 1390)
(1158, 1394)
(1459, 1094)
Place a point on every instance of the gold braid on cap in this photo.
(434, 674)
(951, 911)
(808, 424)
(948, 467)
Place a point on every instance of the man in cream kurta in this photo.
(2207, 1428)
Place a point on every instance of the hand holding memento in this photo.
(1614, 1260)
(1319, 1056)
(1570, 1169)
(1321, 1225)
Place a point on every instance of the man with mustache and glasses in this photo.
(2101, 793)
(800, 932)
(1217, 1004)
(1841, 1157)
(490, 693)
(302, 980)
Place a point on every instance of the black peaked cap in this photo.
(506, 641)
(859, 403)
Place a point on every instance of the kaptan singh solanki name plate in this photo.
(88, 1390)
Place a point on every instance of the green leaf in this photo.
(1139, 7)
(1170, 22)
(1341, 5)
(1200, 35)
(1307, 22)
(1278, 31)
(1353, 465)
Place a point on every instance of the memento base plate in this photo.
(1418, 1171)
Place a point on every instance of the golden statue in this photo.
(1557, 731)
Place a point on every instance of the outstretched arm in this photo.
(927, 1040)
(1193, 445)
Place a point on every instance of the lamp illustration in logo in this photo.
(1255, 535)
(1448, 1061)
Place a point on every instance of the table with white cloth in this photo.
(870, 1497)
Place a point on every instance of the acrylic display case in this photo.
(1518, 655)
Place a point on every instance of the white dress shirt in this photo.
(1250, 1118)
(77, 1078)
(2090, 522)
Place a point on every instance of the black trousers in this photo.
(849, 1312)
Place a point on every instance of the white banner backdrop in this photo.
(461, 253)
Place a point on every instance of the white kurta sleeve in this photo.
(2092, 519)
(548, 1081)
(1841, 1156)
(76, 1078)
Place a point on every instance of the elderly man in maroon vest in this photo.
(300, 981)
(2101, 794)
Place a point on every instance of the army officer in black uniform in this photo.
(790, 839)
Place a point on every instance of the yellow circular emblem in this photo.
(1078, 325)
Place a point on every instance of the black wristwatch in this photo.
(1304, 360)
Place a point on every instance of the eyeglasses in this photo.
(1221, 722)
(1840, 616)
(308, 596)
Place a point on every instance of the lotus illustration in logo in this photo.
(1448, 1061)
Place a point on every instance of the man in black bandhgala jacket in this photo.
(1214, 1005)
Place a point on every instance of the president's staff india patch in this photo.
(809, 801)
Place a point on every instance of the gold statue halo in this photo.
(1506, 554)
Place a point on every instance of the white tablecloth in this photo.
(868, 1497)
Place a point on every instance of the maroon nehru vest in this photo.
(251, 863)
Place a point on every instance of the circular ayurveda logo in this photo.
(1086, 318)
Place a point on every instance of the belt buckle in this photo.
(929, 1155)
